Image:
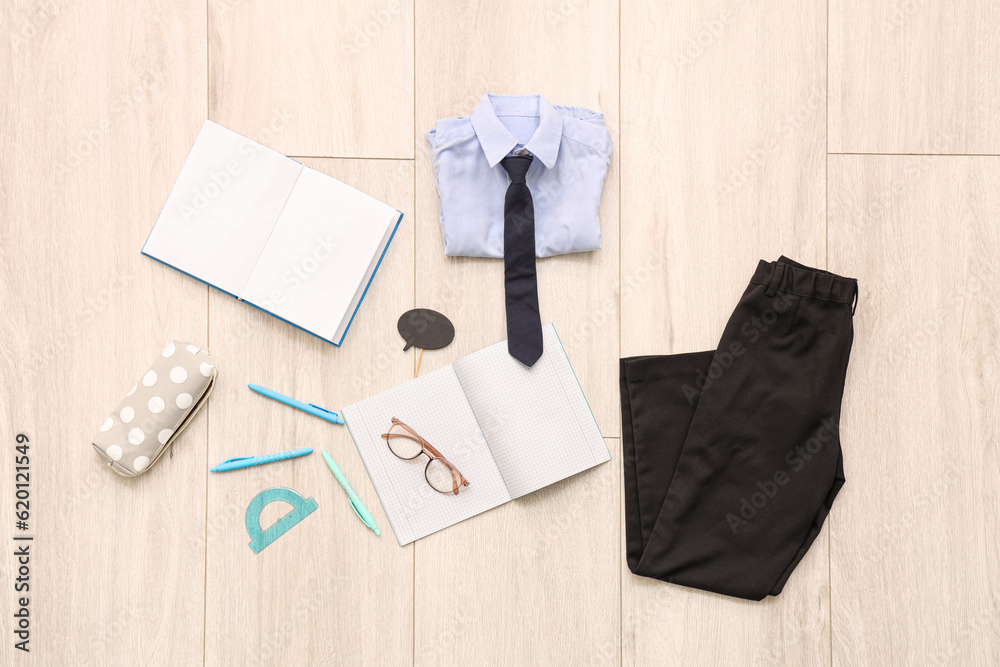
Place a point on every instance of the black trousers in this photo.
(732, 456)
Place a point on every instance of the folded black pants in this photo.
(732, 456)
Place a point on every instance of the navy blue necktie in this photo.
(524, 325)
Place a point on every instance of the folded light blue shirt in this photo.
(572, 151)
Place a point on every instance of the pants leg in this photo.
(732, 457)
(650, 462)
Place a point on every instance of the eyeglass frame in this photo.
(432, 454)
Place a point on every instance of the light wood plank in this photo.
(528, 558)
(533, 582)
(913, 76)
(576, 292)
(914, 564)
(723, 134)
(328, 590)
(99, 114)
(307, 77)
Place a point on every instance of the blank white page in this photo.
(319, 252)
(536, 420)
(222, 208)
(434, 406)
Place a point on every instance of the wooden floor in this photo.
(857, 135)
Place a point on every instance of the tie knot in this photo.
(517, 167)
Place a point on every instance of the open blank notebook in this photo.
(262, 227)
(508, 428)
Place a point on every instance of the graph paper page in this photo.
(434, 406)
(536, 420)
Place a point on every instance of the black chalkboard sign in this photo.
(426, 329)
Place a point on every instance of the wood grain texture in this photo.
(99, 115)
(533, 582)
(914, 565)
(719, 115)
(723, 136)
(330, 79)
(329, 591)
(913, 76)
(547, 564)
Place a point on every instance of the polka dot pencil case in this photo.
(156, 409)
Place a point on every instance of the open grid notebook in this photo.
(508, 428)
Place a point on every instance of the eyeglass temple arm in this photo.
(417, 440)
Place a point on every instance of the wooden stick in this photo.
(419, 359)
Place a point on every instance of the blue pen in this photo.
(311, 408)
(247, 461)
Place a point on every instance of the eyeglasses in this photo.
(442, 476)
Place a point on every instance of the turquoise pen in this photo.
(247, 461)
(311, 408)
(359, 507)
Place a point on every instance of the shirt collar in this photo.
(497, 141)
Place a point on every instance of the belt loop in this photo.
(854, 307)
(772, 287)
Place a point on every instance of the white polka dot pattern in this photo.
(154, 410)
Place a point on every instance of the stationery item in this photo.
(524, 326)
(263, 228)
(311, 408)
(356, 504)
(301, 508)
(246, 461)
(156, 409)
(508, 428)
(573, 148)
(732, 456)
(426, 329)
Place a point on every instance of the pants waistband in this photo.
(790, 276)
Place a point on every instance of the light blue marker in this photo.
(238, 462)
(359, 507)
(311, 408)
